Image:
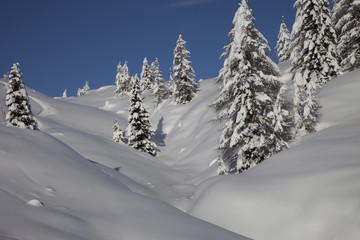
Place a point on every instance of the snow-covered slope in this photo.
(310, 191)
(70, 181)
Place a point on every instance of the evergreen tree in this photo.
(283, 43)
(314, 58)
(139, 129)
(64, 95)
(146, 80)
(80, 92)
(346, 19)
(86, 88)
(249, 89)
(183, 74)
(118, 135)
(122, 81)
(159, 89)
(17, 101)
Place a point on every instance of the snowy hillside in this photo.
(70, 181)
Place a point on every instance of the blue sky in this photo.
(63, 43)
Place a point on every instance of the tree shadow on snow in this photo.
(159, 136)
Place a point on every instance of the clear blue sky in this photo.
(63, 43)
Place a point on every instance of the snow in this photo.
(71, 181)
(310, 191)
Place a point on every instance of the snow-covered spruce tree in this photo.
(346, 19)
(64, 95)
(249, 89)
(118, 135)
(146, 79)
(314, 58)
(159, 90)
(122, 81)
(17, 101)
(80, 92)
(86, 88)
(139, 129)
(283, 43)
(183, 74)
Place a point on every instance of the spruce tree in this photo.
(346, 20)
(314, 58)
(146, 80)
(122, 81)
(118, 135)
(17, 101)
(283, 43)
(139, 129)
(159, 89)
(183, 74)
(249, 89)
(64, 95)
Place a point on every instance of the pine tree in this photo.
(64, 95)
(159, 89)
(146, 80)
(283, 43)
(314, 58)
(249, 89)
(80, 92)
(118, 135)
(346, 20)
(17, 101)
(86, 88)
(183, 74)
(139, 129)
(122, 81)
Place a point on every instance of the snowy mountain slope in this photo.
(59, 183)
(92, 188)
(310, 191)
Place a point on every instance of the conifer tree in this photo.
(17, 101)
(80, 92)
(283, 43)
(249, 89)
(86, 88)
(118, 135)
(314, 58)
(122, 81)
(346, 20)
(146, 80)
(139, 129)
(183, 74)
(159, 89)
(64, 95)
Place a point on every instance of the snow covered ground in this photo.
(70, 181)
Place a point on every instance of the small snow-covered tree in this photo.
(64, 95)
(118, 135)
(346, 20)
(183, 74)
(314, 58)
(17, 101)
(159, 89)
(139, 130)
(80, 92)
(283, 43)
(86, 88)
(249, 89)
(122, 81)
(146, 79)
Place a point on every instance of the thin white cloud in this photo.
(185, 3)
